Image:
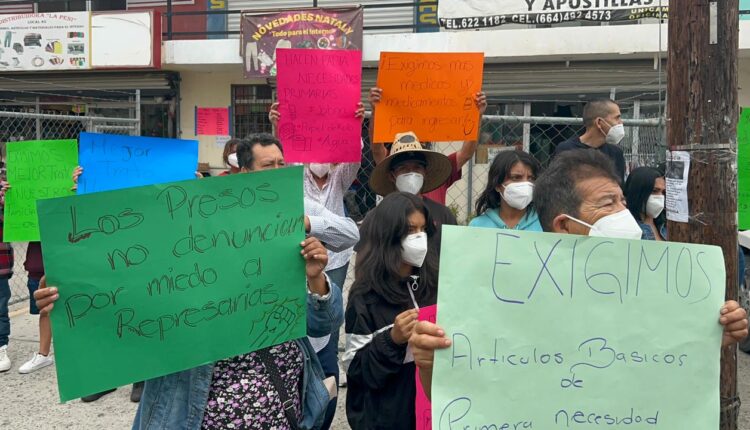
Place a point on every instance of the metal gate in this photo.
(21, 126)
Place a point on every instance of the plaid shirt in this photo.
(6, 256)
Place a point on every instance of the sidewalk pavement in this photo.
(31, 401)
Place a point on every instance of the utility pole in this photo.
(702, 116)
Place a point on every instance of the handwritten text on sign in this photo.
(212, 121)
(429, 94)
(570, 332)
(113, 162)
(163, 268)
(39, 169)
(318, 95)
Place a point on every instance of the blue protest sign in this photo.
(113, 162)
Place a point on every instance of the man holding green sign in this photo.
(569, 331)
(210, 274)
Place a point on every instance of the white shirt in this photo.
(331, 196)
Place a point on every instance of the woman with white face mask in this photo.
(396, 273)
(645, 192)
(506, 202)
(230, 157)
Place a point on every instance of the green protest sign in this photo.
(38, 169)
(743, 169)
(163, 278)
(570, 331)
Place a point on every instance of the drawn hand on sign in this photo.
(275, 323)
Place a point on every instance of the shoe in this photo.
(4, 360)
(37, 362)
(342, 379)
(135, 395)
(97, 396)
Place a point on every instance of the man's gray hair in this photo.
(556, 191)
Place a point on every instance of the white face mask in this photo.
(410, 183)
(654, 205)
(414, 249)
(518, 194)
(232, 160)
(320, 170)
(615, 134)
(620, 225)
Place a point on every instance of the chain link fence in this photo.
(643, 145)
(22, 125)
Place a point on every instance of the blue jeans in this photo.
(329, 355)
(4, 320)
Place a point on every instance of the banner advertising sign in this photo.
(45, 41)
(312, 28)
(472, 14)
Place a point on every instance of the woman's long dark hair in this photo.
(638, 187)
(499, 170)
(379, 257)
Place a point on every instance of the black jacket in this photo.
(380, 384)
(614, 152)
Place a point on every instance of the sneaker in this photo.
(97, 396)
(37, 362)
(135, 395)
(4, 360)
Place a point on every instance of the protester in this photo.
(645, 192)
(326, 183)
(415, 170)
(396, 272)
(241, 392)
(604, 131)
(35, 268)
(457, 159)
(506, 202)
(6, 272)
(578, 194)
(230, 157)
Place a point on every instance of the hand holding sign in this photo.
(163, 267)
(37, 170)
(431, 94)
(569, 317)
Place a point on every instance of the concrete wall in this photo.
(206, 89)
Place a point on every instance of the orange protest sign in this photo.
(431, 94)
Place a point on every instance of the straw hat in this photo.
(437, 171)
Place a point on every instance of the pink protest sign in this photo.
(422, 403)
(318, 94)
(212, 121)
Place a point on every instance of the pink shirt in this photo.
(438, 194)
